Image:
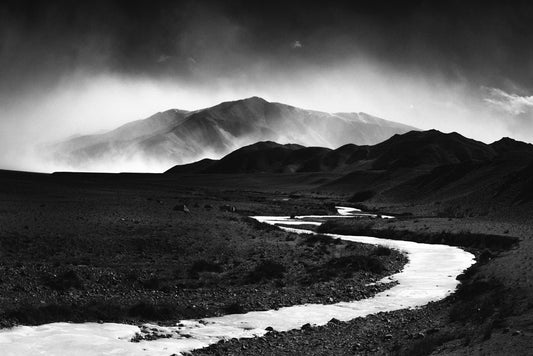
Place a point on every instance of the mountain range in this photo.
(416, 167)
(177, 136)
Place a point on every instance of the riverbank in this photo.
(124, 250)
(417, 285)
(490, 314)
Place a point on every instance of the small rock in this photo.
(356, 347)
(516, 333)
(269, 328)
(183, 208)
(307, 327)
(388, 337)
(419, 335)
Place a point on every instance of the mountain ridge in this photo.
(418, 166)
(414, 149)
(178, 136)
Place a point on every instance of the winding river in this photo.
(430, 275)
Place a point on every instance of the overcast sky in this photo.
(69, 67)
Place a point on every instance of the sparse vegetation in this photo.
(64, 281)
(477, 300)
(343, 267)
(115, 250)
(362, 196)
(234, 308)
(464, 239)
(426, 345)
(203, 266)
(265, 271)
(259, 225)
(382, 251)
(313, 239)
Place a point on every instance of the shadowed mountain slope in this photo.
(430, 148)
(271, 157)
(416, 149)
(424, 167)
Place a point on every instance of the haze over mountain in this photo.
(176, 136)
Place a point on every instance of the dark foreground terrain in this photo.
(135, 248)
(119, 248)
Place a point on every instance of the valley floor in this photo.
(112, 247)
(120, 248)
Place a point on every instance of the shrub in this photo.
(486, 256)
(464, 239)
(362, 196)
(342, 267)
(313, 239)
(428, 344)
(382, 251)
(152, 283)
(234, 308)
(65, 281)
(203, 266)
(149, 311)
(266, 270)
(356, 263)
(31, 315)
(477, 301)
(338, 227)
(261, 226)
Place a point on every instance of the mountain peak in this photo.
(252, 103)
(173, 137)
(507, 145)
(432, 147)
(255, 99)
(261, 145)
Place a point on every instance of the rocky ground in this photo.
(490, 314)
(80, 249)
(87, 247)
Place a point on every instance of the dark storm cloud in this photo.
(69, 67)
(484, 41)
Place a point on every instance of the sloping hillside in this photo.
(428, 167)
